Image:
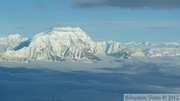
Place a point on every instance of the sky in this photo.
(119, 20)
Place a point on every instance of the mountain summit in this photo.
(66, 43)
(64, 34)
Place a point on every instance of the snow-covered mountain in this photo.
(58, 44)
(66, 43)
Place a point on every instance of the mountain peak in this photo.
(64, 34)
(66, 29)
(14, 36)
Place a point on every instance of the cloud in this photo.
(44, 81)
(41, 6)
(21, 27)
(151, 4)
(58, 0)
(159, 27)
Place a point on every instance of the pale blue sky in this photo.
(119, 20)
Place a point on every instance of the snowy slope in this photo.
(66, 43)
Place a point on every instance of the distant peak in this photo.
(14, 36)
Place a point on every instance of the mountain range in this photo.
(66, 43)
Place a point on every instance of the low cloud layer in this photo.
(137, 75)
(151, 4)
